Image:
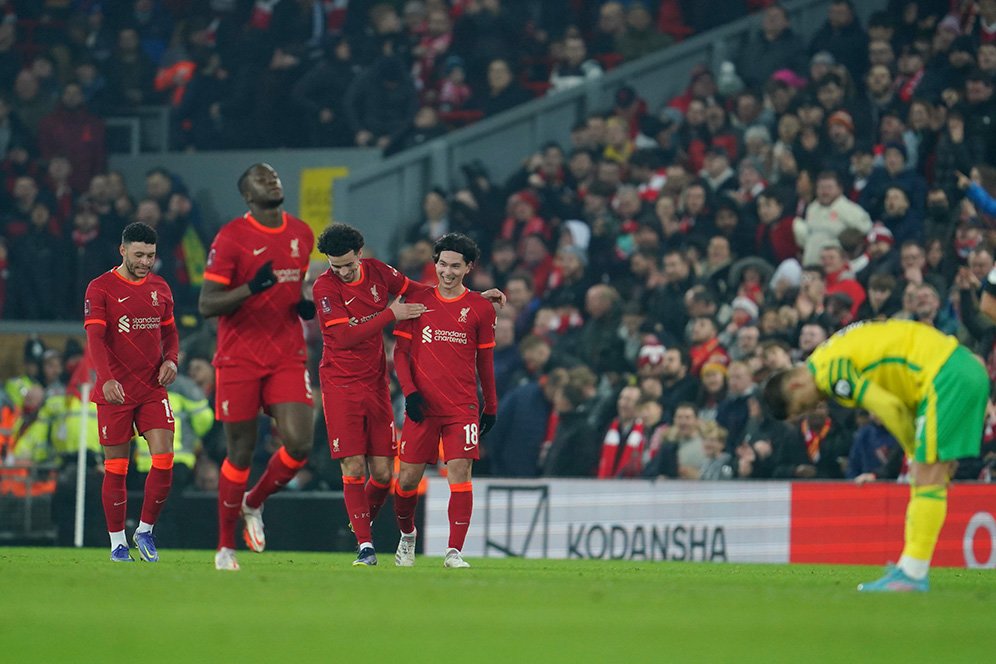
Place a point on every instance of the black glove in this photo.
(305, 309)
(264, 278)
(487, 421)
(414, 403)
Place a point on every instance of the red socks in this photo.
(404, 508)
(279, 471)
(357, 507)
(460, 508)
(157, 486)
(376, 495)
(114, 494)
(231, 486)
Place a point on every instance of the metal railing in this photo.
(388, 195)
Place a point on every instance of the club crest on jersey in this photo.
(295, 249)
(155, 298)
(463, 315)
(326, 305)
(376, 295)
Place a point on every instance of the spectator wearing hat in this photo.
(773, 47)
(840, 130)
(878, 257)
(575, 67)
(843, 37)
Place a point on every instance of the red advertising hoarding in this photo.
(851, 524)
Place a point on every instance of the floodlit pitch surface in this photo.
(64, 605)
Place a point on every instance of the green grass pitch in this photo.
(65, 605)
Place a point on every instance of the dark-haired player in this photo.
(133, 344)
(439, 358)
(253, 282)
(356, 300)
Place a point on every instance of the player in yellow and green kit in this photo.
(929, 392)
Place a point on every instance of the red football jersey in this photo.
(131, 313)
(444, 344)
(265, 330)
(339, 303)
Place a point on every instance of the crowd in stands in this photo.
(660, 265)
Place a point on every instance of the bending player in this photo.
(133, 344)
(252, 282)
(438, 359)
(930, 393)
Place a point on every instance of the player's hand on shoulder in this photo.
(263, 279)
(415, 407)
(406, 310)
(167, 373)
(495, 296)
(113, 392)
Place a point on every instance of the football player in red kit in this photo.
(439, 358)
(253, 282)
(133, 345)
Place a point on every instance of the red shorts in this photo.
(359, 421)
(420, 440)
(241, 391)
(117, 423)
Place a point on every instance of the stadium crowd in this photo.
(657, 268)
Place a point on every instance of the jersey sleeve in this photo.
(167, 318)
(331, 310)
(221, 261)
(94, 306)
(486, 330)
(397, 283)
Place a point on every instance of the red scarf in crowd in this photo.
(814, 438)
(626, 464)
